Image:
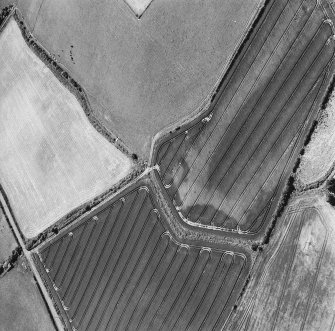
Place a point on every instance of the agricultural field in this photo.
(122, 269)
(207, 237)
(142, 74)
(52, 159)
(21, 305)
(227, 169)
(138, 6)
(319, 156)
(294, 286)
(7, 240)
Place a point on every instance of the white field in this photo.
(51, 158)
(320, 152)
(138, 6)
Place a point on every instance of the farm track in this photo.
(296, 219)
(122, 269)
(225, 169)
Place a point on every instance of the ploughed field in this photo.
(52, 159)
(294, 287)
(121, 269)
(227, 169)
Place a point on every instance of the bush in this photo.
(55, 230)
(254, 247)
(331, 185)
(331, 199)
(296, 166)
(310, 133)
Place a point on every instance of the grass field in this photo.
(142, 75)
(21, 304)
(121, 269)
(294, 287)
(7, 239)
(52, 159)
(319, 156)
(227, 169)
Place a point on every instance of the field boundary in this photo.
(65, 79)
(73, 215)
(274, 204)
(62, 74)
(204, 109)
(202, 240)
(27, 254)
(5, 198)
(277, 202)
(5, 15)
(81, 210)
(188, 232)
(146, 184)
(47, 282)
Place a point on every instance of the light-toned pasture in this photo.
(52, 159)
(320, 152)
(294, 285)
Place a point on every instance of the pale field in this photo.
(21, 305)
(52, 159)
(320, 152)
(294, 285)
(138, 6)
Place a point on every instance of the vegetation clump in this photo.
(328, 94)
(55, 229)
(331, 191)
(296, 166)
(5, 13)
(247, 281)
(331, 199)
(331, 185)
(290, 188)
(257, 247)
(11, 262)
(310, 133)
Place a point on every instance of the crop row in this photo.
(227, 168)
(121, 269)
